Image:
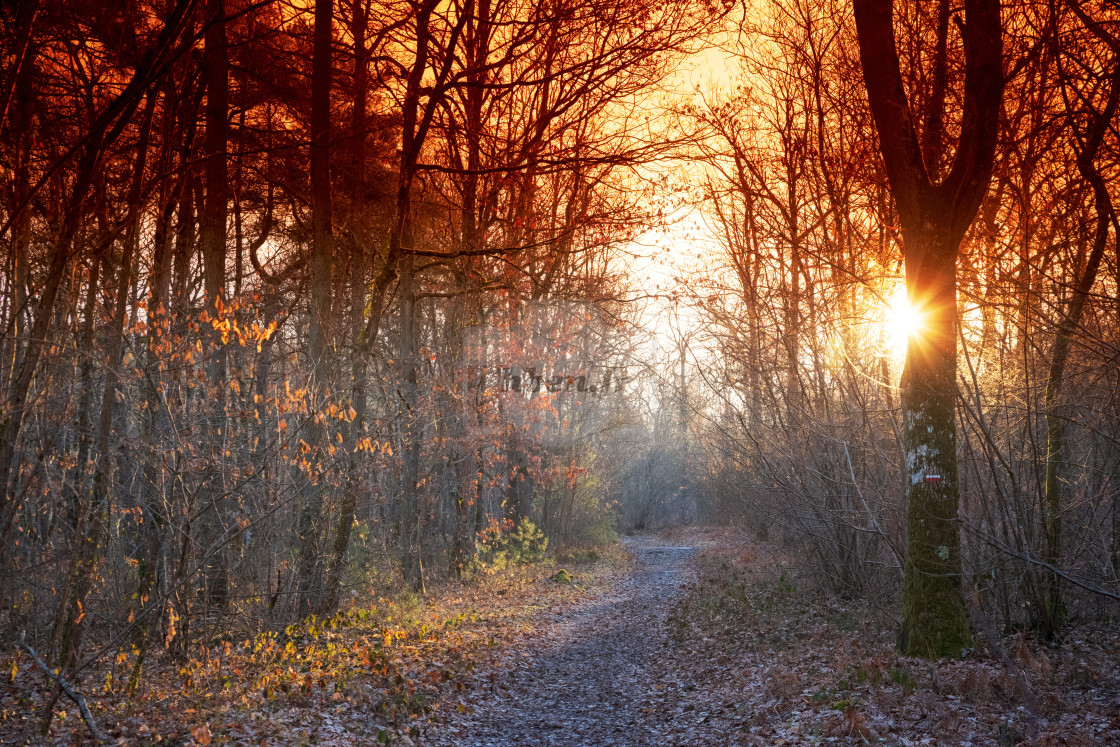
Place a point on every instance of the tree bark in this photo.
(411, 518)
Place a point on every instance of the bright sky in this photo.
(686, 244)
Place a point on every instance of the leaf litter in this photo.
(707, 639)
(373, 673)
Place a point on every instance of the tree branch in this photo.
(67, 688)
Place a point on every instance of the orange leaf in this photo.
(202, 734)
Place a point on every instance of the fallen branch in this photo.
(67, 688)
(1030, 704)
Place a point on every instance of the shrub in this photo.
(523, 545)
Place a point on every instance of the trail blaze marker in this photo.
(933, 478)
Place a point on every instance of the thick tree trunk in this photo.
(934, 213)
(477, 38)
(454, 408)
(212, 238)
(320, 333)
(934, 621)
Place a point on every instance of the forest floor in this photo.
(374, 673)
(696, 637)
(782, 662)
(710, 641)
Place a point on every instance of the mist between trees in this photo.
(298, 297)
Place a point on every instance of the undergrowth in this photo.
(374, 670)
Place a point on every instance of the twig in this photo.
(1031, 560)
(67, 688)
(871, 514)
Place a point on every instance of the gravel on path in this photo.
(599, 674)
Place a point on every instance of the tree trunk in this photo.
(411, 518)
(360, 347)
(934, 622)
(320, 332)
(212, 239)
(1051, 603)
(934, 217)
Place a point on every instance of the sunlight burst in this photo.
(903, 320)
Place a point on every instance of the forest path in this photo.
(601, 673)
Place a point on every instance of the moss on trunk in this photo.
(934, 621)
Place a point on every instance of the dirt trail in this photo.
(756, 657)
(595, 675)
